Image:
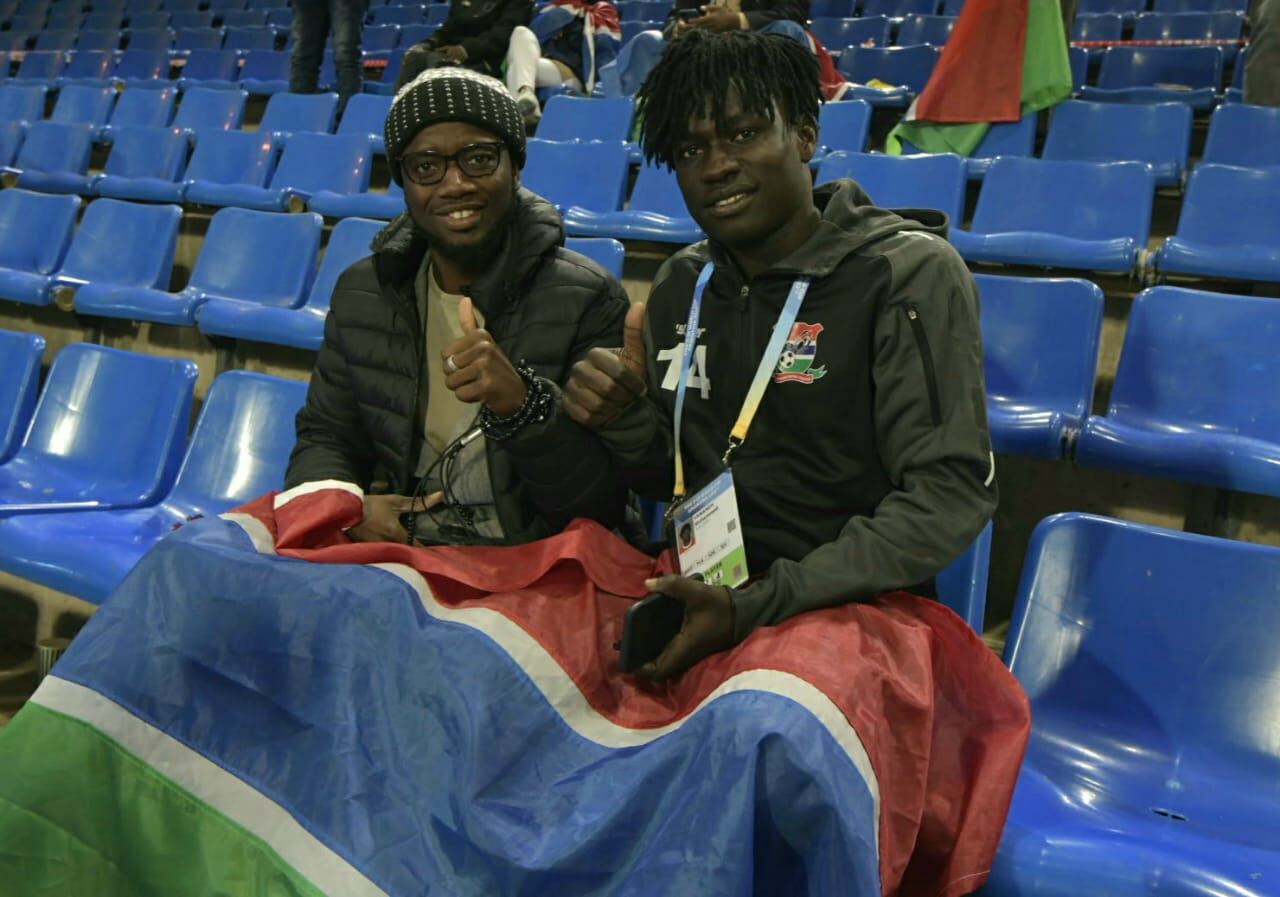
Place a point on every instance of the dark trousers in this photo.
(312, 22)
(1262, 69)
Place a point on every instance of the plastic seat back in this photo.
(261, 38)
(11, 136)
(1201, 5)
(844, 125)
(366, 113)
(313, 162)
(19, 378)
(1189, 67)
(56, 146)
(232, 157)
(831, 9)
(348, 243)
(241, 443)
(263, 257)
(35, 229)
(1247, 136)
(144, 108)
(206, 109)
(98, 40)
(41, 66)
(1229, 207)
(89, 65)
(280, 17)
(1078, 59)
(962, 584)
(244, 18)
(55, 41)
(1157, 133)
(898, 8)
(1082, 200)
(605, 252)
(21, 103)
(586, 118)
(1101, 26)
(198, 39)
(414, 34)
(656, 190)
(925, 30)
(645, 10)
(1201, 361)
(141, 152)
(78, 103)
(211, 65)
(903, 182)
(124, 243)
(105, 414)
(908, 67)
(293, 113)
(142, 65)
(554, 172)
(396, 15)
(1124, 7)
(148, 21)
(102, 21)
(836, 34)
(151, 39)
(1040, 342)
(436, 14)
(1189, 26)
(1148, 656)
(379, 38)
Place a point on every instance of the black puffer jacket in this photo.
(541, 302)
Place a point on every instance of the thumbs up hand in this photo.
(476, 370)
(606, 381)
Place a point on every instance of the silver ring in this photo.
(450, 366)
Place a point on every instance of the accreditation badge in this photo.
(708, 534)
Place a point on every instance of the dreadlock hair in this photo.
(693, 77)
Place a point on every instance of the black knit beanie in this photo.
(452, 93)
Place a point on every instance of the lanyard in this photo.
(764, 372)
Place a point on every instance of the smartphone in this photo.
(650, 625)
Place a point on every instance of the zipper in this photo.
(926, 359)
(742, 296)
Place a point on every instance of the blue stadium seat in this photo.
(380, 38)
(55, 41)
(210, 68)
(1148, 657)
(1247, 136)
(1127, 8)
(310, 164)
(104, 21)
(831, 9)
(1201, 5)
(87, 67)
(629, 29)
(150, 39)
(65, 18)
(438, 12)
(302, 327)
(187, 39)
(384, 206)
(191, 19)
(907, 67)
(295, 113)
(644, 10)
(396, 15)
(78, 454)
(280, 17)
(177, 6)
(264, 257)
(220, 7)
(98, 40)
(554, 172)
(19, 379)
(223, 158)
(962, 584)
(836, 34)
(585, 118)
(1192, 26)
(27, 24)
(22, 103)
(903, 182)
(898, 8)
(144, 164)
(79, 104)
(1194, 397)
(1099, 26)
(608, 254)
(1040, 351)
(118, 244)
(12, 42)
(54, 158)
(925, 30)
(415, 34)
(39, 69)
(239, 450)
(137, 6)
(1229, 225)
(366, 114)
(1014, 138)
(1235, 93)
(243, 40)
(204, 109)
(1190, 75)
(141, 109)
(1157, 134)
(843, 125)
(1078, 59)
(656, 212)
(147, 21)
(11, 136)
(244, 18)
(147, 69)
(1082, 215)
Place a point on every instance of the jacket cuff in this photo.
(632, 433)
(751, 606)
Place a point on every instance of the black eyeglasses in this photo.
(476, 160)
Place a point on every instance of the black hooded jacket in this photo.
(543, 304)
(868, 467)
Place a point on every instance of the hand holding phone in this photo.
(683, 621)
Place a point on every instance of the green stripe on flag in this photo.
(80, 815)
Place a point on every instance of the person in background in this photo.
(738, 15)
(475, 36)
(1262, 66)
(313, 20)
(565, 44)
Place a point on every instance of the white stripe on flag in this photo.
(210, 783)
(258, 534)
(315, 486)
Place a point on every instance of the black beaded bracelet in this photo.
(535, 408)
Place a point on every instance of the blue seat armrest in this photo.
(629, 225)
(897, 97)
(356, 205)
(1047, 250)
(55, 181)
(244, 196)
(1036, 433)
(146, 189)
(301, 328)
(25, 286)
(1181, 256)
(139, 303)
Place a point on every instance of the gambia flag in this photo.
(264, 708)
(1004, 59)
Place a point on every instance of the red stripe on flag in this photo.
(979, 77)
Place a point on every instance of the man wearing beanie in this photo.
(437, 390)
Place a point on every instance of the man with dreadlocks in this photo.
(865, 466)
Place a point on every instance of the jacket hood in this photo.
(850, 221)
(534, 230)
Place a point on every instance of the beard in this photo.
(474, 255)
